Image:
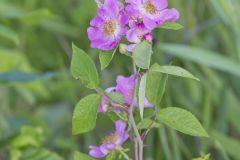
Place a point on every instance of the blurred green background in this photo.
(38, 93)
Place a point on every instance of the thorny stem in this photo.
(133, 123)
(144, 134)
(138, 137)
(136, 148)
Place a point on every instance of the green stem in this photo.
(133, 123)
(139, 139)
(136, 148)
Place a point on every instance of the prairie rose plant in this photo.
(133, 103)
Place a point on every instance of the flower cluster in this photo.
(134, 19)
(126, 87)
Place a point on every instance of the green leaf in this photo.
(172, 26)
(37, 16)
(18, 76)
(230, 145)
(13, 60)
(41, 153)
(181, 120)
(106, 57)
(81, 156)
(83, 68)
(116, 97)
(156, 83)
(145, 123)
(142, 55)
(15, 154)
(41, 17)
(59, 27)
(112, 116)
(232, 102)
(9, 34)
(205, 157)
(172, 70)
(112, 156)
(85, 114)
(29, 136)
(142, 94)
(203, 56)
(10, 11)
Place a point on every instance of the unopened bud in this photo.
(123, 48)
(148, 37)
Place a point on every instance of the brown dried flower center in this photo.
(150, 8)
(110, 138)
(109, 27)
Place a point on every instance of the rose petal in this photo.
(133, 35)
(107, 148)
(122, 134)
(120, 127)
(96, 152)
(160, 4)
(112, 7)
(125, 86)
(149, 23)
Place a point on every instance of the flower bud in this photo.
(123, 48)
(148, 37)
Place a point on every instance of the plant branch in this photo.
(144, 134)
(132, 121)
(136, 148)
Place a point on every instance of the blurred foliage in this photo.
(37, 91)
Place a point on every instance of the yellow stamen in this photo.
(109, 27)
(150, 8)
(110, 139)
